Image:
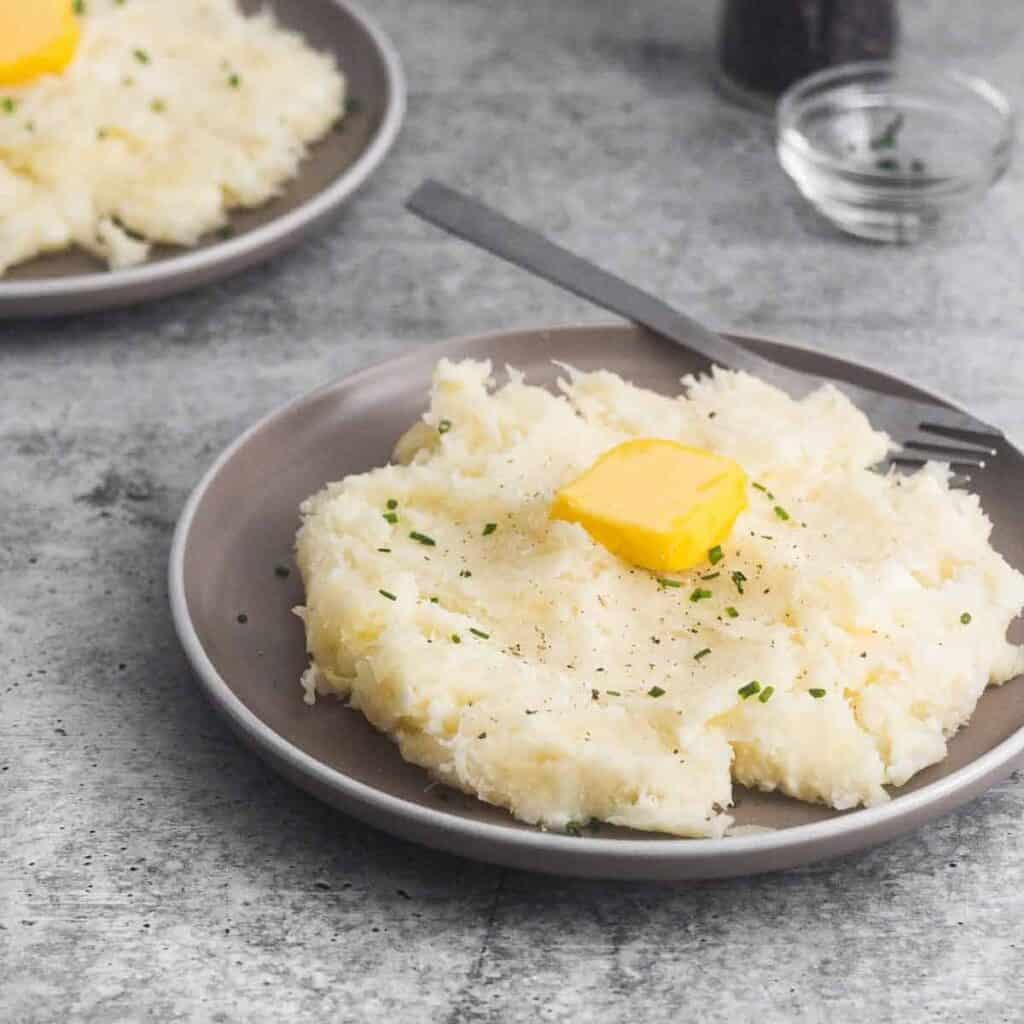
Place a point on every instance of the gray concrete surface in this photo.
(152, 869)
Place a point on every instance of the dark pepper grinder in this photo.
(766, 45)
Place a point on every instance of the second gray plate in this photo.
(240, 524)
(74, 282)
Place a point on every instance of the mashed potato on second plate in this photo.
(169, 115)
(518, 660)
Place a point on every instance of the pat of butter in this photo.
(36, 38)
(656, 504)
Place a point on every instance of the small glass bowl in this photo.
(884, 149)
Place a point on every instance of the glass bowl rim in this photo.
(791, 103)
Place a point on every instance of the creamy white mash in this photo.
(170, 115)
(522, 662)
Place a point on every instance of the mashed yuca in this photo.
(524, 663)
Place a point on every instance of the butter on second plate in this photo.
(36, 39)
(657, 504)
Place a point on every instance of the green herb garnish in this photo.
(703, 653)
(663, 582)
(700, 594)
(489, 528)
(391, 517)
(141, 56)
(234, 80)
(387, 594)
(782, 513)
(888, 163)
(764, 490)
(886, 138)
(739, 579)
(158, 106)
(966, 618)
(464, 574)
(613, 693)
(392, 503)
(731, 612)
(655, 691)
(749, 690)
(444, 426)
(766, 694)
(78, 7)
(715, 555)
(422, 538)
(9, 104)
(817, 693)
(480, 633)
(711, 576)
(456, 639)
(435, 600)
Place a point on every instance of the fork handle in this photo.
(473, 221)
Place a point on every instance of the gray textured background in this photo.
(150, 868)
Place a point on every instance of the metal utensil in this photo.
(922, 430)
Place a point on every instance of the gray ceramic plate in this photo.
(240, 523)
(74, 282)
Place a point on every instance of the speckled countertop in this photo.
(153, 869)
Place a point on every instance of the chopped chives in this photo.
(739, 579)
(482, 736)
(444, 426)
(9, 104)
(655, 691)
(749, 690)
(384, 551)
(392, 503)
(141, 56)
(572, 829)
(234, 80)
(663, 582)
(700, 594)
(489, 529)
(715, 555)
(781, 513)
(766, 694)
(480, 633)
(158, 106)
(595, 694)
(732, 613)
(613, 693)
(435, 600)
(422, 538)
(456, 639)
(465, 574)
(78, 6)
(764, 490)
(817, 693)
(711, 576)
(966, 618)
(387, 594)
(703, 653)
(391, 517)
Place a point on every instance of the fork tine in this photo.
(936, 443)
(905, 458)
(957, 479)
(969, 435)
(943, 416)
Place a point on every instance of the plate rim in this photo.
(191, 261)
(590, 852)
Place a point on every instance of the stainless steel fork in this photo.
(922, 430)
